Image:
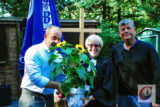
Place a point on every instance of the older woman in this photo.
(104, 92)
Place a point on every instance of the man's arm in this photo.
(155, 66)
(33, 66)
(55, 85)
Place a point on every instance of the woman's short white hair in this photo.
(94, 39)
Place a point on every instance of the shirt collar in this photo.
(94, 61)
(44, 45)
(123, 47)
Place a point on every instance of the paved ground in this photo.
(13, 104)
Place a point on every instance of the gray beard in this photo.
(53, 44)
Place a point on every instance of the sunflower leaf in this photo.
(82, 73)
(71, 64)
(83, 57)
(67, 51)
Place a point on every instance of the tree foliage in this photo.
(17, 8)
(67, 9)
(145, 13)
(152, 11)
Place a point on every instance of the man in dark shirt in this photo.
(137, 63)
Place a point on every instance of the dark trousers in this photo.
(95, 103)
(131, 101)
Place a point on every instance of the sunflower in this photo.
(80, 48)
(61, 44)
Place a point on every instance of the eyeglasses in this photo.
(95, 45)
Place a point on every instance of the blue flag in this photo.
(42, 14)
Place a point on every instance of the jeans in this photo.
(132, 101)
(32, 99)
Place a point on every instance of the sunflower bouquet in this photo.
(72, 66)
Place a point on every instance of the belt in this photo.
(35, 93)
(127, 93)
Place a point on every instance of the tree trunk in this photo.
(119, 14)
(104, 15)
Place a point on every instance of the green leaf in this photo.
(66, 86)
(83, 57)
(72, 66)
(50, 61)
(91, 64)
(80, 83)
(88, 60)
(82, 73)
(52, 58)
(91, 81)
(52, 75)
(52, 48)
(88, 93)
(67, 51)
(75, 59)
(54, 65)
(58, 70)
(68, 45)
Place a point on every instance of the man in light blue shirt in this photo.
(37, 84)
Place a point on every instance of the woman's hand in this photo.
(155, 105)
(70, 94)
(86, 101)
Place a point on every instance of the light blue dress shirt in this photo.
(37, 69)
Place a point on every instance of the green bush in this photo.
(110, 37)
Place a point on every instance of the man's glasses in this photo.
(95, 45)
